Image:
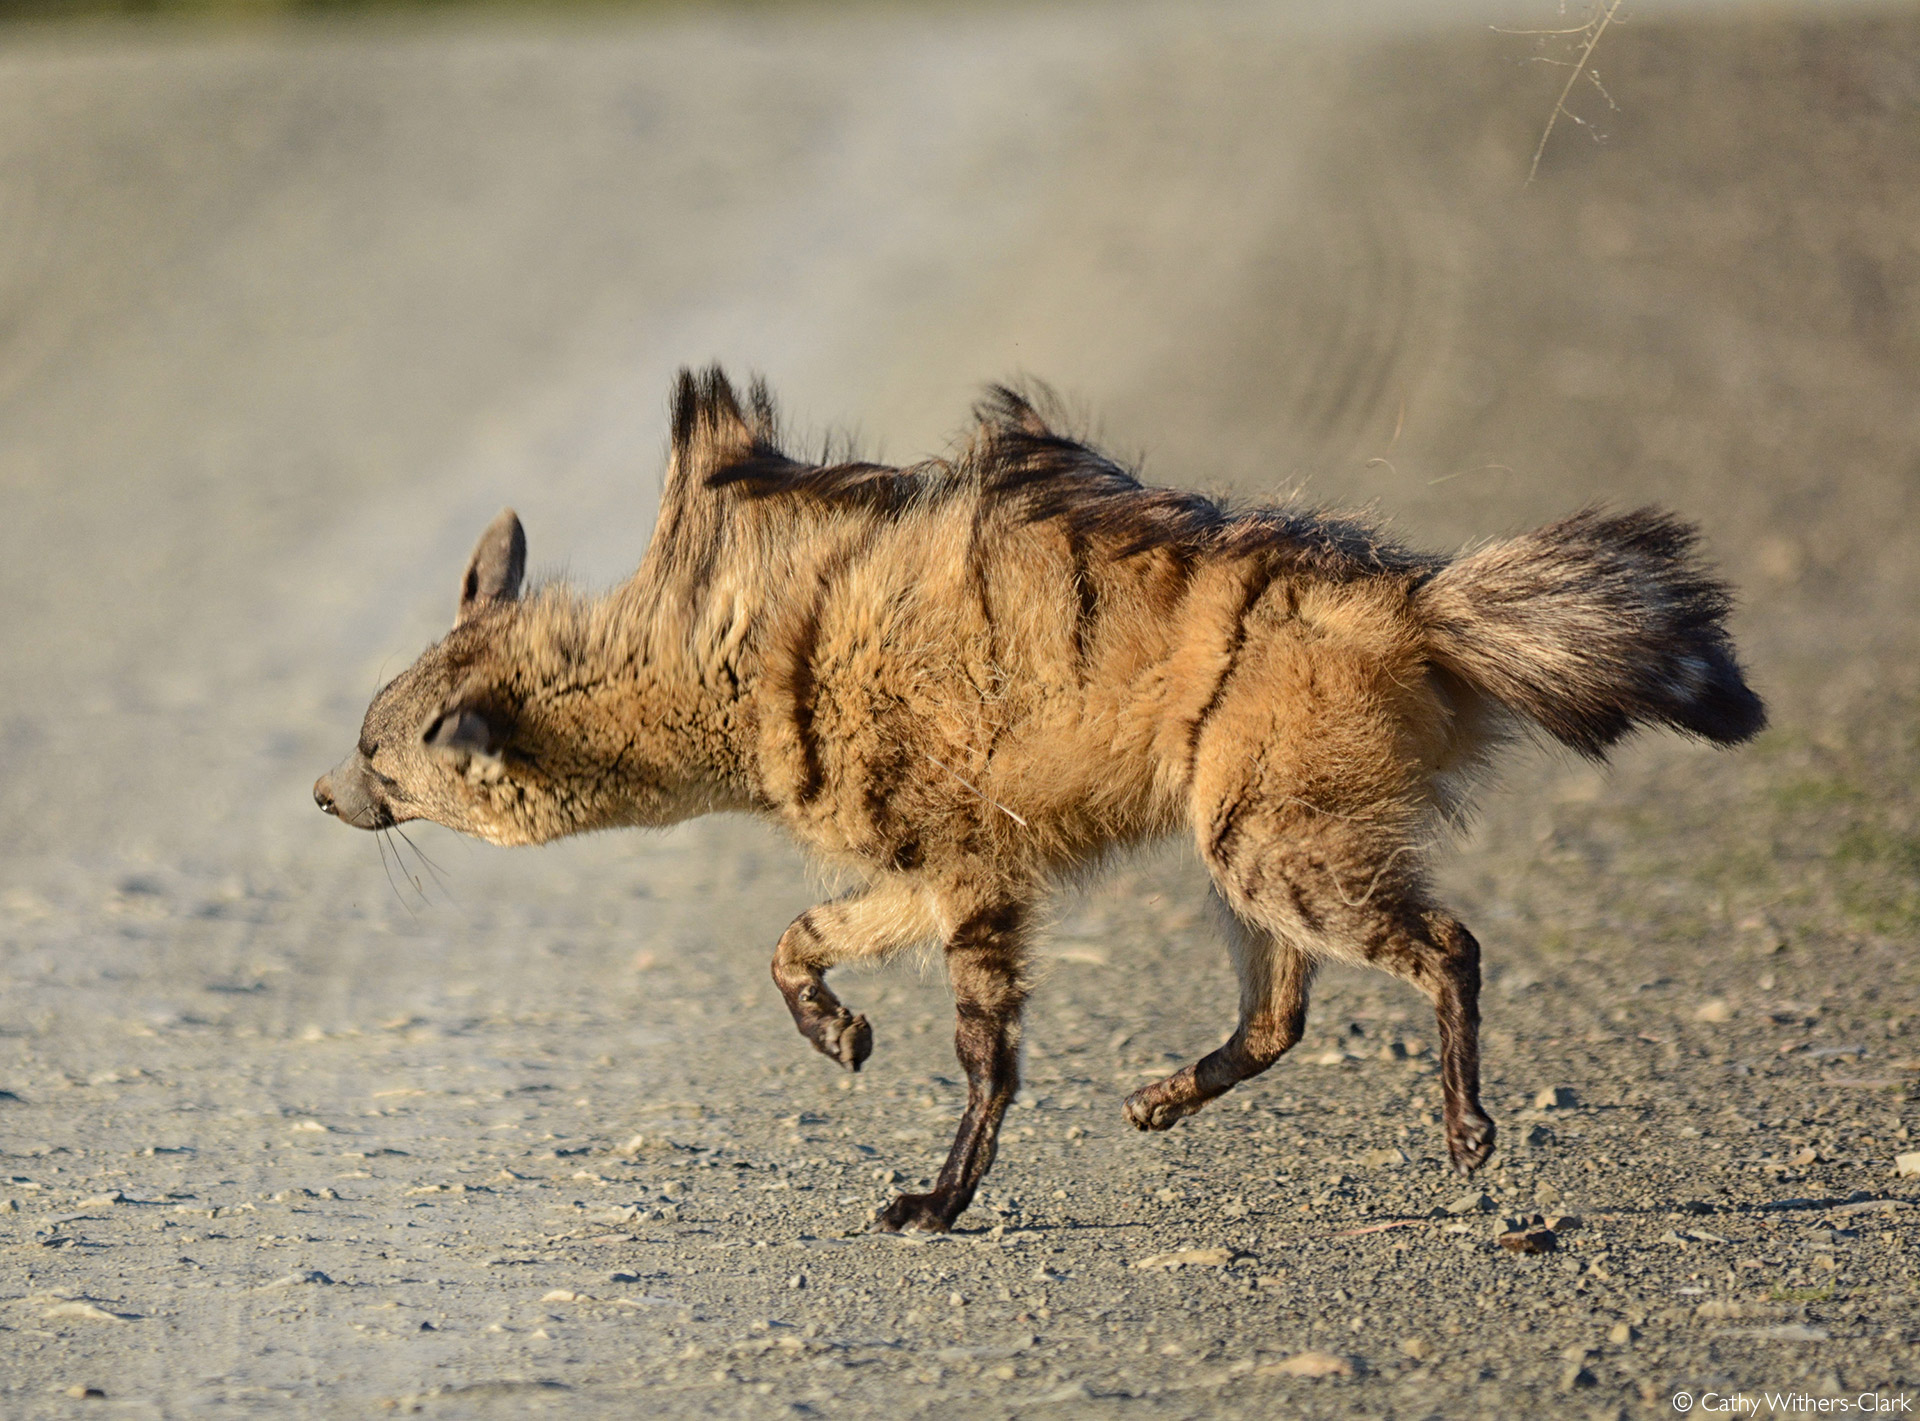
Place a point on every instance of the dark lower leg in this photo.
(989, 1049)
(798, 972)
(1273, 1015)
(1456, 1006)
(983, 960)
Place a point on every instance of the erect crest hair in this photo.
(1017, 459)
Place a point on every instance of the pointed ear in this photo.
(469, 729)
(710, 431)
(499, 562)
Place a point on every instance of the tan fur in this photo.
(965, 680)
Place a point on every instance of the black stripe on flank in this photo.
(803, 687)
(1256, 588)
(1224, 835)
(803, 679)
(1085, 622)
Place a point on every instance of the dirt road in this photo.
(287, 313)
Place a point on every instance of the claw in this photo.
(1152, 1108)
(1470, 1141)
(926, 1212)
(848, 1039)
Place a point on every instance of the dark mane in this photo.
(1015, 458)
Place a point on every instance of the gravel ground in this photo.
(289, 311)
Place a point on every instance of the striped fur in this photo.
(965, 679)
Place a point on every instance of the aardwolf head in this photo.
(434, 741)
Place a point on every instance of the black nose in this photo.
(323, 797)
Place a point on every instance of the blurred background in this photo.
(294, 297)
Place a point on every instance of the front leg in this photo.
(872, 923)
(984, 958)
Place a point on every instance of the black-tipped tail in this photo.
(1595, 625)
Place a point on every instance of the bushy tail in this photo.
(1592, 626)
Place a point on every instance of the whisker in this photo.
(400, 864)
(432, 868)
(380, 840)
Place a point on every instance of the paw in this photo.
(1470, 1141)
(927, 1212)
(1152, 1108)
(847, 1038)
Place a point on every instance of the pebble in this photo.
(1419, 1349)
(1475, 1203)
(1715, 1010)
(1387, 1158)
(1575, 1378)
(1907, 1166)
(1556, 1097)
(1621, 1334)
(1534, 1240)
(1308, 1364)
(80, 1312)
(1188, 1258)
(1782, 1332)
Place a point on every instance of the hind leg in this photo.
(1444, 961)
(873, 923)
(1274, 977)
(1356, 899)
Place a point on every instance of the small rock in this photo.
(1189, 1258)
(1388, 1158)
(1534, 1240)
(1558, 1097)
(1335, 1057)
(80, 1312)
(1907, 1166)
(1782, 1332)
(1577, 1378)
(1475, 1203)
(1805, 1155)
(1563, 1223)
(1715, 1010)
(1724, 1309)
(561, 1295)
(306, 1276)
(84, 1393)
(1419, 1349)
(1622, 1333)
(1538, 1135)
(1308, 1364)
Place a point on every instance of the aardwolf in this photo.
(966, 679)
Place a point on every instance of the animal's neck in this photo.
(630, 712)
